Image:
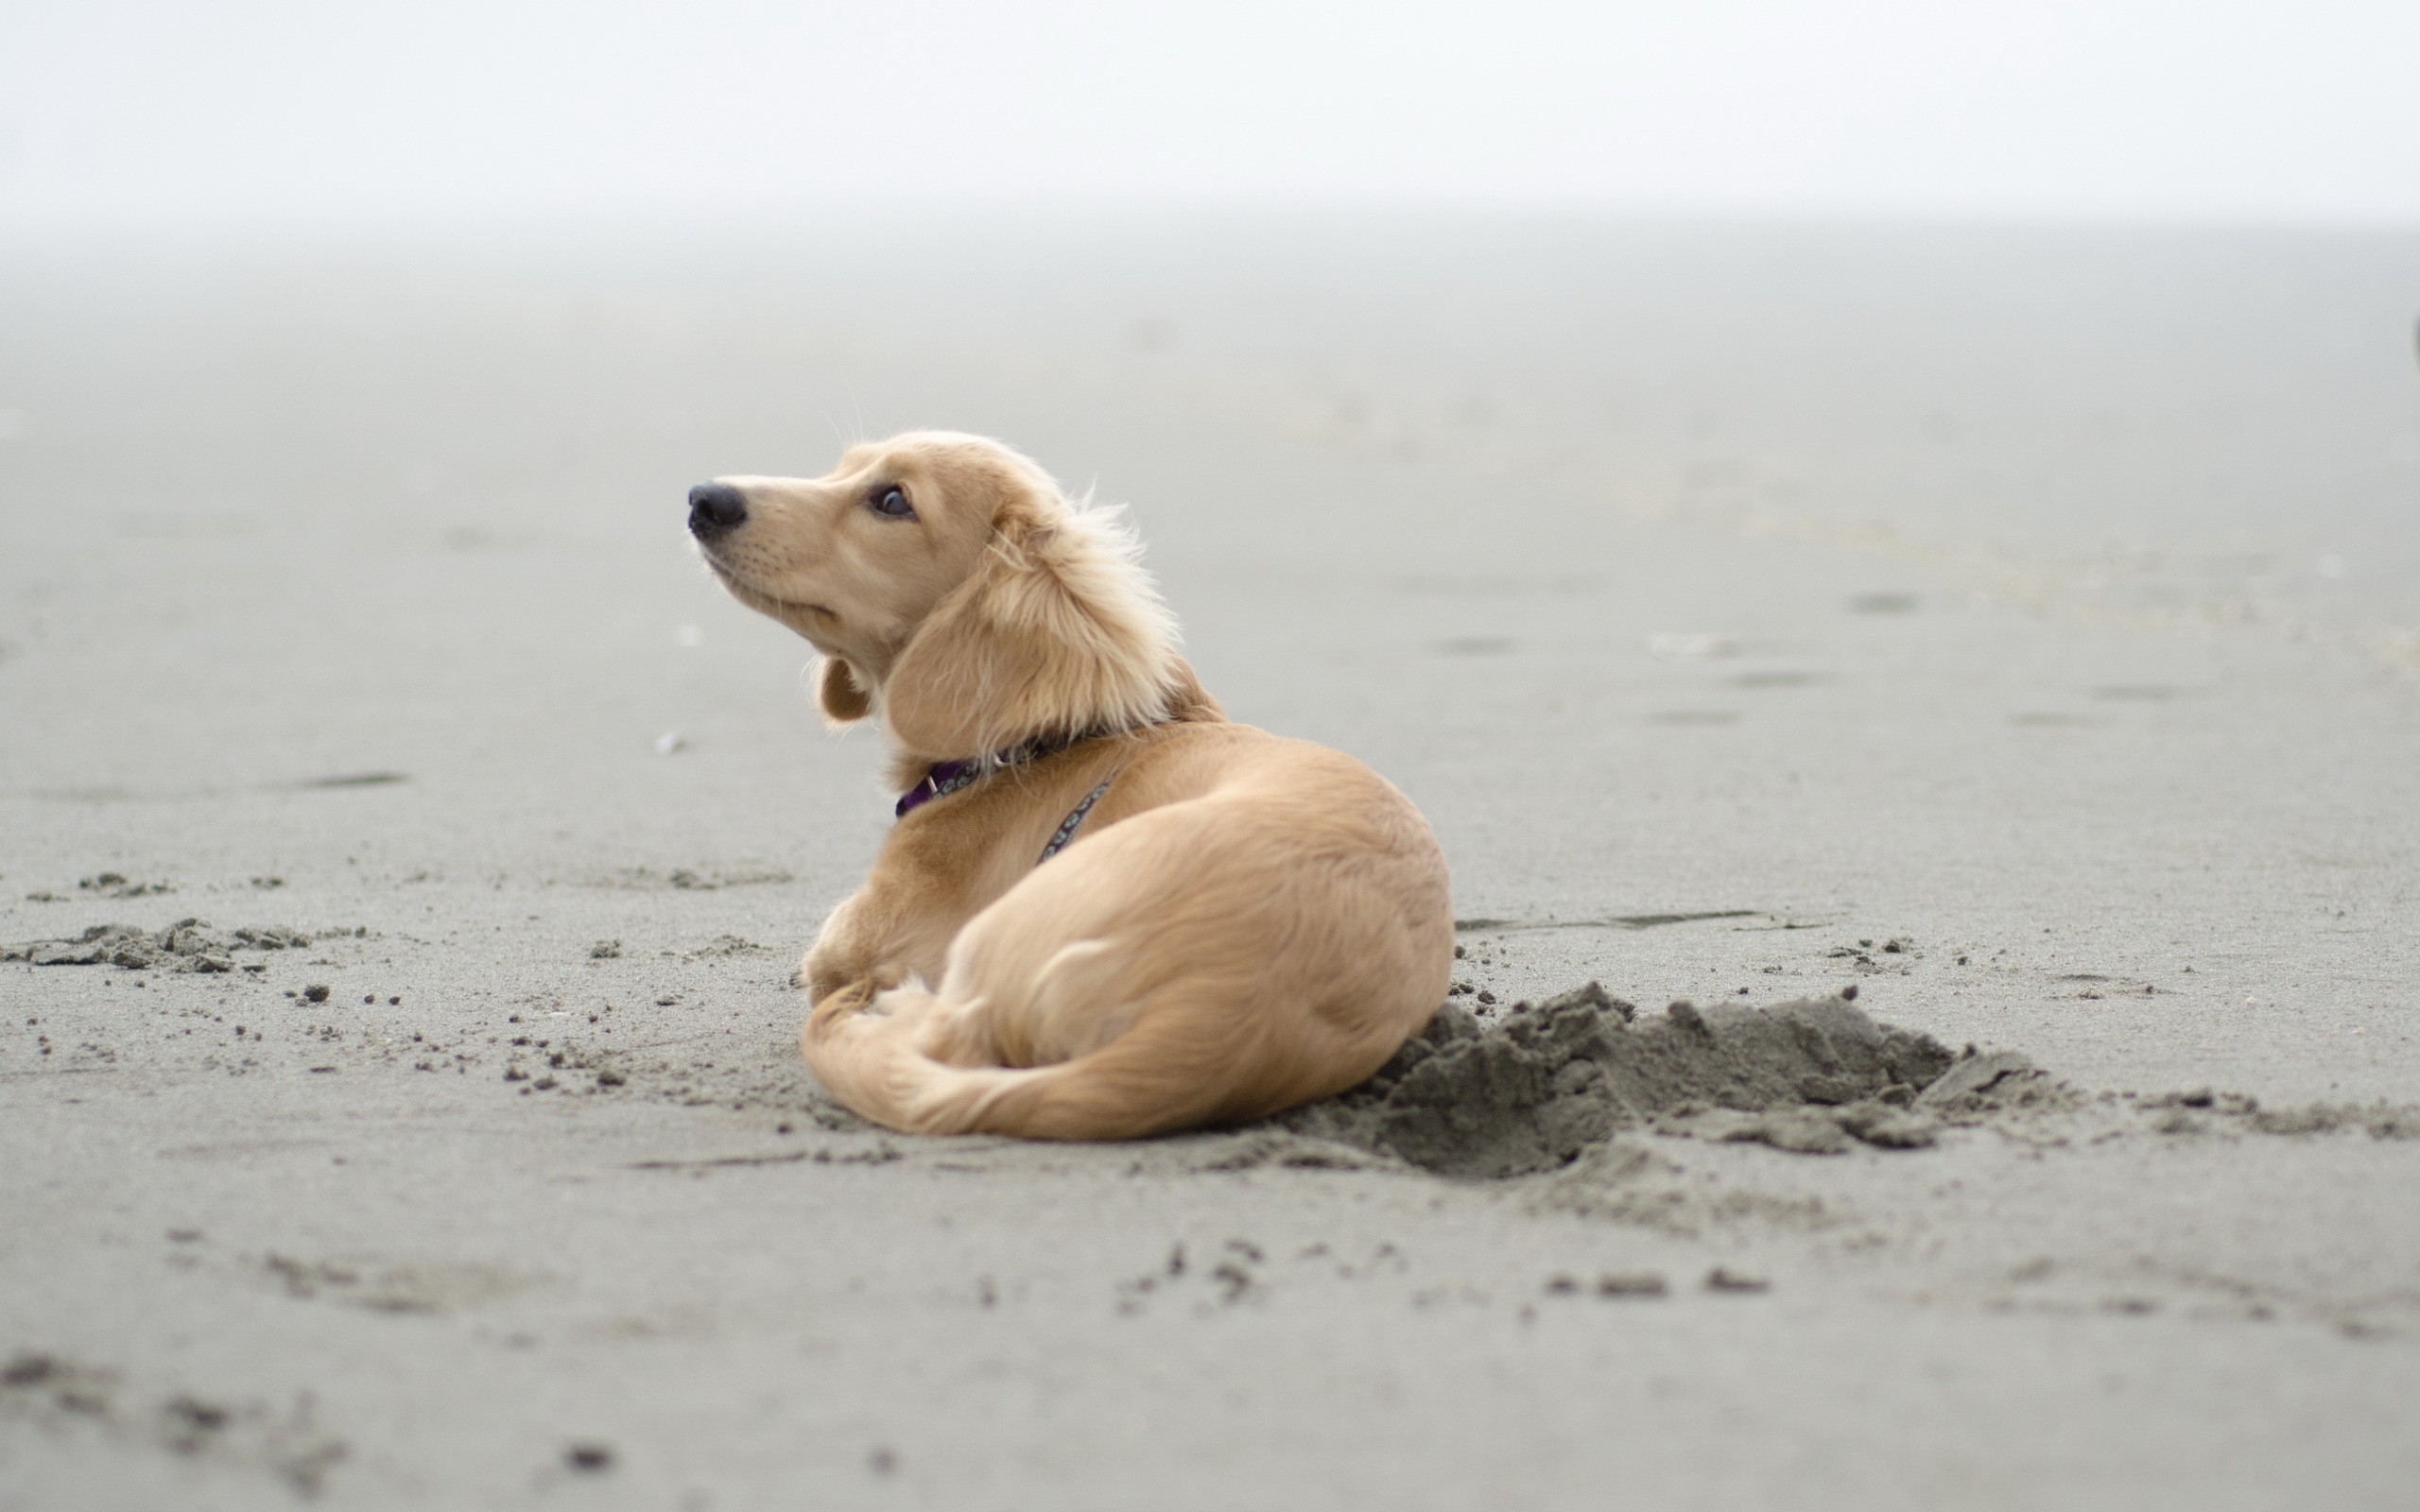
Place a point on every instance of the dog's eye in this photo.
(892, 500)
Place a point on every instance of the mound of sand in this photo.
(188, 945)
(1532, 1092)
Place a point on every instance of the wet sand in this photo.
(2015, 627)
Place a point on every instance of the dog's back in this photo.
(1259, 923)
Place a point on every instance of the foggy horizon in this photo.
(272, 117)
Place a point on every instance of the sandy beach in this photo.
(2019, 627)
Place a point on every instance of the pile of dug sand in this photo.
(188, 945)
(1531, 1091)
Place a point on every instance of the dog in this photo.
(1105, 912)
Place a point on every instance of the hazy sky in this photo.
(337, 110)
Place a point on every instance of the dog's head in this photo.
(952, 587)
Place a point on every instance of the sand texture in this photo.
(1923, 723)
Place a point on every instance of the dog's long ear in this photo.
(843, 698)
(1057, 632)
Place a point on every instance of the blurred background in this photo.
(249, 117)
(370, 350)
(1802, 224)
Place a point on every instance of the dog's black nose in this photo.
(716, 507)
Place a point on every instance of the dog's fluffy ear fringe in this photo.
(1058, 632)
(839, 695)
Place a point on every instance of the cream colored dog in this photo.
(1105, 911)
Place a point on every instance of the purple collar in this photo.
(941, 778)
(944, 778)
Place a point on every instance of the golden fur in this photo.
(1242, 923)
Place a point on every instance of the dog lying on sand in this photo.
(1105, 911)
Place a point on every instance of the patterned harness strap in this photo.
(1068, 826)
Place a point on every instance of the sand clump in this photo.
(2203, 1110)
(1530, 1093)
(53, 1391)
(188, 945)
(2379, 1120)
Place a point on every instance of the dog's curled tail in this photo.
(1161, 1074)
